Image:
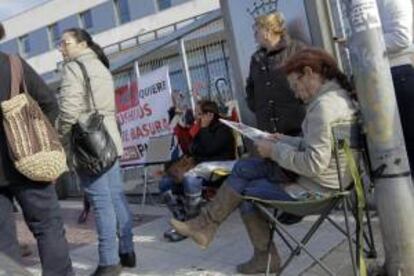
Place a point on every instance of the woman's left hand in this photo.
(264, 147)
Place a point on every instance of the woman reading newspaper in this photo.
(316, 80)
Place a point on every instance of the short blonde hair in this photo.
(273, 22)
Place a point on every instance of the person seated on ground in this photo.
(183, 126)
(214, 142)
(316, 80)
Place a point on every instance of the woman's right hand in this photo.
(275, 136)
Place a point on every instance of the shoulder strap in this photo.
(17, 76)
(87, 82)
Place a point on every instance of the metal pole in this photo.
(336, 48)
(186, 71)
(391, 171)
(143, 167)
(136, 69)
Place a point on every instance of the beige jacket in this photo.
(311, 156)
(74, 104)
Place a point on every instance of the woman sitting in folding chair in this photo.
(316, 80)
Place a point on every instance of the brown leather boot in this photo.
(203, 228)
(259, 234)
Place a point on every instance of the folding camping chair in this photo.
(158, 153)
(347, 138)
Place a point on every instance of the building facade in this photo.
(120, 26)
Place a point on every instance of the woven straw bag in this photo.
(33, 143)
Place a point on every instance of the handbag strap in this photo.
(17, 76)
(87, 83)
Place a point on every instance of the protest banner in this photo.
(142, 113)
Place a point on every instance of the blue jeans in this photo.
(193, 185)
(167, 183)
(112, 214)
(257, 178)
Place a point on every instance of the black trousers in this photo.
(41, 212)
(403, 78)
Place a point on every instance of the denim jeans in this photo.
(403, 78)
(167, 183)
(112, 214)
(257, 178)
(41, 212)
(191, 186)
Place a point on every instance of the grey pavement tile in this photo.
(151, 236)
(89, 252)
(323, 241)
(230, 247)
(159, 262)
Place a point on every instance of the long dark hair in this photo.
(83, 36)
(322, 63)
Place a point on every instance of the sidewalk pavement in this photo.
(230, 247)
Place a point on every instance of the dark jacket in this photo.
(267, 83)
(214, 143)
(41, 93)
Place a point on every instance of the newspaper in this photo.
(248, 131)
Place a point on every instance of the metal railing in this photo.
(152, 35)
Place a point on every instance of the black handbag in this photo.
(94, 151)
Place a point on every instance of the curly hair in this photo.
(321, 62)
(273, 22)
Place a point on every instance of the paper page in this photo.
(248, 131)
